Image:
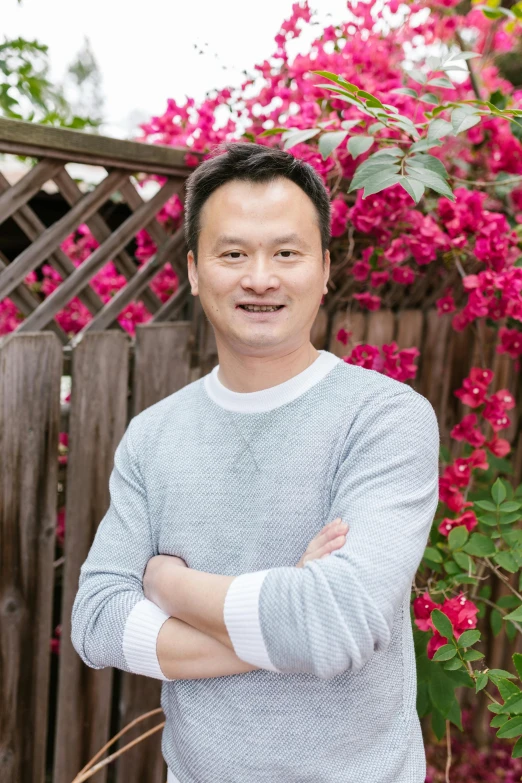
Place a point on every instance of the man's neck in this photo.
(252, 373)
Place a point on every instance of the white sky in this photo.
(145, 50)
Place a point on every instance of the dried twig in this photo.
(88, 770)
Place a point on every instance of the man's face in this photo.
(260, 243)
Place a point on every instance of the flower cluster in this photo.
(460, 609)
(457, 476)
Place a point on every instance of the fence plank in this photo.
(433, 380)
(30, 371)
(41, 140)
(98, 417)
(381, 327)
(161, 367)
(350, 322)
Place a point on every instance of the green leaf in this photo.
(498, 492)
(362, 175)
(487, 519)
(439, 128)
(472, 655)
(463, 561)
(432, 554)
(429, 97)
(438, 724)
(453, 664)
(508, 601)
(517, 660)
(481, 682)
(377, 182)
(516, 615)
(509, 506)
(406, 91)
(517, 749)
(498, 720)
(507, 688)
(513, 728)
(495, 675)
(371, 100)
(417, 76)
(375, 127)
(445, 652)
(394, 152)
(442, 623)
(349, 124)
(338, 80)
(463, 118)
(441, 689)
(495, 619)
(413, 188)
(429, 162)
(458, 537)
(487, 505)
(357, 145)
(468, 638)
(440, 81)
(480, 545)
(291, 138)
(511, 631)
(506, 560)
(423, 145)
(330, 141)
(430, 180)
(513, 705)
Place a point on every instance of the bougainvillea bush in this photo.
(406, 112)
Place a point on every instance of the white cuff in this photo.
(241, 616)
(140, 637)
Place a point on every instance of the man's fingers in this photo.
(326, 535)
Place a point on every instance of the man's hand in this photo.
(332, 536)
(154, 567)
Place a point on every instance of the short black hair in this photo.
(252, 162)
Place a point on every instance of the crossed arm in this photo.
(322, 620)
(194, 643)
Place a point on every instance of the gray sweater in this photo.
(238, 484)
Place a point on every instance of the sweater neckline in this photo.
(273, 396)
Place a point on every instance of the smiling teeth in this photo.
(257, 308)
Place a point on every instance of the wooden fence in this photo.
(56, 713)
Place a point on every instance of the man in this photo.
(271, 672)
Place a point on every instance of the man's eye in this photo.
(287, 251)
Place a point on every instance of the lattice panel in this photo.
(116, 245)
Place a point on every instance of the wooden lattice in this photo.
(53, 149)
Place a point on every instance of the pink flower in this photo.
(343, 336)
(368, 301)
(468, 519)
(339, 211)
(467, 431)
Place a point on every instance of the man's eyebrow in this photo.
(230, 240)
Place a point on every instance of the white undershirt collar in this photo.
(274, 396)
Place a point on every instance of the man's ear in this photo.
(192, 272)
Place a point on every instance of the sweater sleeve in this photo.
(112, 623)
(333, 614)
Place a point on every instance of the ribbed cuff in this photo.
(241, 616)
(140, 637)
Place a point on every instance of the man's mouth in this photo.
(261, 308)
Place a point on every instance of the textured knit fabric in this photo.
(238, 484)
